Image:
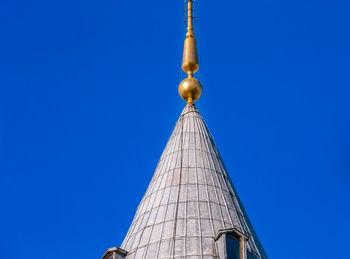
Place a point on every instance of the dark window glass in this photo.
(251, 256)
(233, 248)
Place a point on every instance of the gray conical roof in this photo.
(190, 198)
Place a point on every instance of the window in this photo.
(115, 253)
(251, 256)
(231, 244)
(233, 247)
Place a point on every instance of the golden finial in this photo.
(190, 89)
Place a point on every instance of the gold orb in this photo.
(190, 89)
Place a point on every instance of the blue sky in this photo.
(88, 99)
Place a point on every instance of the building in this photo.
(190, 209)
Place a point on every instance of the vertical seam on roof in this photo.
(169, 174)
(210, 156)
(197, 131)
(187, 130)
(207, 191)
(178, 194)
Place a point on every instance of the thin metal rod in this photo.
(190, 33)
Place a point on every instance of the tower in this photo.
(191, 208)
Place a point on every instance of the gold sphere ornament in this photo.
(190, 89)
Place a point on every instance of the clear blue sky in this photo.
(88, 99)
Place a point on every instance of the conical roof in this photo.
(189, 200)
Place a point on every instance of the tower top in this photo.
(191, 208)
(190, 89)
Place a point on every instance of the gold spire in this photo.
(190, 89)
